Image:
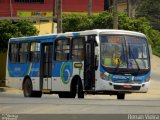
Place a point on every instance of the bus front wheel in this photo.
(120, 96)
(28, 89)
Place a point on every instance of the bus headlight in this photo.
(147, 79)
(104, 77)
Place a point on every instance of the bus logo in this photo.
(66, 72)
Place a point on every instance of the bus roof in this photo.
(101, 31)
(33, 38)
(83, 33)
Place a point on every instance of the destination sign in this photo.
(115, 39)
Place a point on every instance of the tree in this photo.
(131, 7)
(151, 10)
(105, 21)
(26, 28)
(115, 14)
(9, 29)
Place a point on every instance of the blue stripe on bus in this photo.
(18, 70)
(126, 78)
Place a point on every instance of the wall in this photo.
(44, 27)
(82, 5)
(47, 6)
(67, 5)
(122, 7)
(2, 65)
(4, 8)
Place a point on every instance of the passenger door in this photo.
(89, 63)
(46, 66)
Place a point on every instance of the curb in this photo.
(2, 89)
(9, 90)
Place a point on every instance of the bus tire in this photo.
(77, 88)
(61, 95)
(37, 94)
(121, 96)
(66, 95)
(28, 89)
(80, 90)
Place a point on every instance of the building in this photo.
(41, 11)
(121, 7)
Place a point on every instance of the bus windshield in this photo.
(124, 51)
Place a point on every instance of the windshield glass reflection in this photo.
(122, 51)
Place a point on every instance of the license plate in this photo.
(127, 86)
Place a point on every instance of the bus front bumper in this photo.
(128, 87)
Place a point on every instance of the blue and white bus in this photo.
(113, 62)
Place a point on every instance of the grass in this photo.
(156, 52)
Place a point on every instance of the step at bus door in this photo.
(46, 66)
(89, 63)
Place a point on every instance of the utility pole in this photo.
(115, 14)
(11, 8)
(54, 17)
(59, 16)
(129, 8)
(89, 7)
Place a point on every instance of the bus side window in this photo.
(13, 53)
(77, 49)
(62, 50)
(23, 52)
(35, 52)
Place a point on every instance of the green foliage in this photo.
(150, 9)
(76, 22)
(156, 52)
(104, 21)
(9, 29)
(26, 28)
(140, 25)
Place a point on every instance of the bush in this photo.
(105, 21)
(9, 29)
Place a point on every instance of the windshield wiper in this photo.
(138, 68)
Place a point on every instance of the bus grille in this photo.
(128, 81)
(120, 87)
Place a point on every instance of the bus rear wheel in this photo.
(77, 88)
(120, 96)
(28, 89)
(80, 92)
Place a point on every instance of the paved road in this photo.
(97, 104)
(50, 104)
